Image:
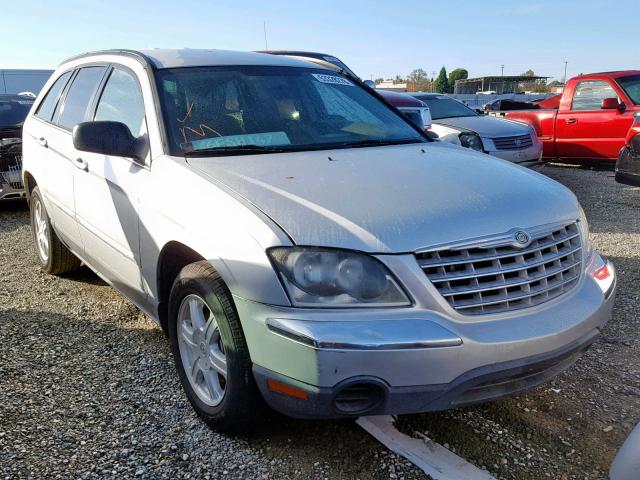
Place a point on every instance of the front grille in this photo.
(513, 143)
(481, 280)
(12, 173)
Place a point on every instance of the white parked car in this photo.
(301, 242)
(456, 123)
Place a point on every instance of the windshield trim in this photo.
(175, 151)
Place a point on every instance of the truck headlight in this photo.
(472, 141)
(327, 277)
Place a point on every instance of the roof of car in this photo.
(10, 97)
(614, 74)
(193, 57)
(400, 99)
(427, 94)
(293, 52)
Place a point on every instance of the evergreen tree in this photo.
(442, 83)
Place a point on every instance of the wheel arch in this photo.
(173, 257)
(29, 183)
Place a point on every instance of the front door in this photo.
(584, 130)
(107, 190)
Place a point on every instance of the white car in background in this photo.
(456, 123)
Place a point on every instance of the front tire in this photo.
(211, 352)
(55, 258)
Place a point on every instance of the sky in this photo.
(376, 39)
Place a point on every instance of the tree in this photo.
(417, 80)
(379, 80)
(538, 86)
(398, 79)
(457, 74)
(442, 83)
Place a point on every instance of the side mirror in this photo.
(612, 104)
(109, 138)
(370, 84)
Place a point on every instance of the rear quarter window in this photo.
(48, 104)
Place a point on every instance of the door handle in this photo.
(571, 121)
(81, 164)
(43, 142)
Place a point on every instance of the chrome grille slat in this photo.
(517, 142)
(479, 280)
(448, 293)
(13, 174)
(518, 266)
(524, 251)
(519, 297)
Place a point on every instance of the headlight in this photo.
(325, 277)
(587, 246)
(471, 140)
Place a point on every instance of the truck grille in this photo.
(481, 280)
(513, 143)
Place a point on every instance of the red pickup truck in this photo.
(592, 119)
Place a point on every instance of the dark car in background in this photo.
(628, 163)
(22, 80)
(13, 111)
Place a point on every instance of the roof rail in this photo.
(142, 58)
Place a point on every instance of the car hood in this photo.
(486, 126)
(391, 199)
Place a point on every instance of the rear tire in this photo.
(211, 352)
(54, 257)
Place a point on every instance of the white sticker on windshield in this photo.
(335, 79)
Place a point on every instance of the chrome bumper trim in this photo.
(364, 335)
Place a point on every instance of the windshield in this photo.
(13, 112)
(209, 109)
(445, 107)
(631, 86)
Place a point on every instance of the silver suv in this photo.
(303, 244)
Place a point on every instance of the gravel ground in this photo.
(88, 387)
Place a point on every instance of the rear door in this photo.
(53, 170)
(107, 189)
(584, 130)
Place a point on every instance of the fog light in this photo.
(358, 398)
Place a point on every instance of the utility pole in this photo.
(502, 67)
(264, 27)
(564, 79)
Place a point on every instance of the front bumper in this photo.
(526, 157)
(416, 359)
(8, 192)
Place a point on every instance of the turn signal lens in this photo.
(287, 390)
(602, 273)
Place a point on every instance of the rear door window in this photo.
(589, 95)
(77, 102)
(48, 105)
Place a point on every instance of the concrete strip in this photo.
(435, 460)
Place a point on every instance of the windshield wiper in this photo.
(233, 149)
(378, 143)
